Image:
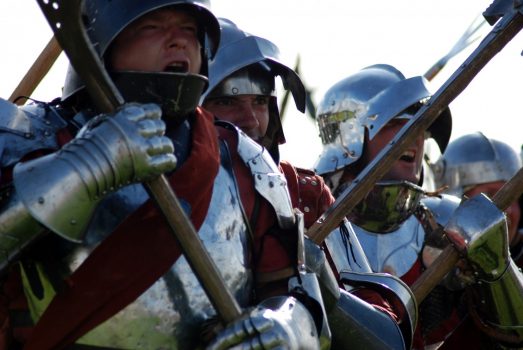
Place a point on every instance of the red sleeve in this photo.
(375, 299)
(308, 192)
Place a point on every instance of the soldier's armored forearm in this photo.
(17, 230)
(479, 230)
(355, 323)
(497, 307)
(61, 190)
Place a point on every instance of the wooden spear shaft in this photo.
(37, 72)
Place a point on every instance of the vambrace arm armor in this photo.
(478, 230)
(61, 190)
(18, 229)
(353, 322)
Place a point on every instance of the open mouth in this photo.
(408, 156)
(177, 67)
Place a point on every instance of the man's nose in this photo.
(176, 37)
(250, 118)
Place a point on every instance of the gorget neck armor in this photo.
(386, 206)
(419, 236)
(177, 94)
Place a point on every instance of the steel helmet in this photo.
(365, 102)
(246, 64)
(105, 19)
(474, 159)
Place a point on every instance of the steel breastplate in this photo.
(170, 313)
(394, 252)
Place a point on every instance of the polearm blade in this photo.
(448, 258)
(469, 36)
(64, 18)
(496, 39)
(37, 72)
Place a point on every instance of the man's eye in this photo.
(224, 102)
(148, 26)
(190, 29)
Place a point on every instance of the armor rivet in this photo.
(46, 133)
(47, 122)
(27, 135)
(254, 161)
(306, 209)
(41, 200)
(303, 181)
(352, 153)
(259, 177)
(271, 184)
(73, 222)
(235, 91)
(314, 183)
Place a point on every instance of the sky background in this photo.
(334, 39)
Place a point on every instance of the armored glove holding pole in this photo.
(61, 191)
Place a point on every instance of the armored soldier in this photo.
(242, 91)
(474, 164)
(398, 223)
(87, 257)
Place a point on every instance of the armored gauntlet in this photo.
(479, 230)
(61, 190)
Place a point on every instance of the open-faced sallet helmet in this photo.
(474, 159)
(365, 102)
(246, 64)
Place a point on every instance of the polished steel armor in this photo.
(386, 206)
(396, 292)
(268, 180)
(255, 51)
(25, 130)
(475, 159)
(496, 283)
